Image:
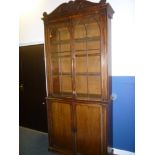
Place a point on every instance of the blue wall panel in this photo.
(124, 112)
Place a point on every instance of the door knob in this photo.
(21, 86)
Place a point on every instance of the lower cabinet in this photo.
(60, 126)
(88, 121)
(77, 128)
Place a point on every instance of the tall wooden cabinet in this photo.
(78, 77)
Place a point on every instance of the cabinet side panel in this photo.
(105, 25)
(59, 119)
(88, 119)
(109, 56)
(110, 107)
(47, 59)
(109, 127)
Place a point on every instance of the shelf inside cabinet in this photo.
(55, 42)
(83, 74)
(94, 38)
(62, 73)
(89, 74)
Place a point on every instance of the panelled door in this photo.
(77, 127)
(60, 126)
(88, 126)
(32, 92)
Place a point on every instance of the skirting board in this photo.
(122, 152)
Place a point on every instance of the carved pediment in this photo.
(72, 7)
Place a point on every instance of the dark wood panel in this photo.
(60, 128)
(32, 111)
(88, 119)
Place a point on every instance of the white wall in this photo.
(123, 61)
(31, 26)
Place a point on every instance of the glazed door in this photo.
(88, 135)
(59, 121)
(60, 57)
(87, 58)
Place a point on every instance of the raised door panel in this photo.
(88, 121)
(59, 119)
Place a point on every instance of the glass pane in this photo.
(93, 45)
(66, 83)
(94, 64)
(55, 48)
(56, 84)
(80, 31)
(94, 85)
(55, 65)
(92, 29)
(87, 27)
(54, 34)
(59, 32)
(80, 46)
(81, 64)
(64, 34)
(81, 84)
(64, 47)
(65, 64)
